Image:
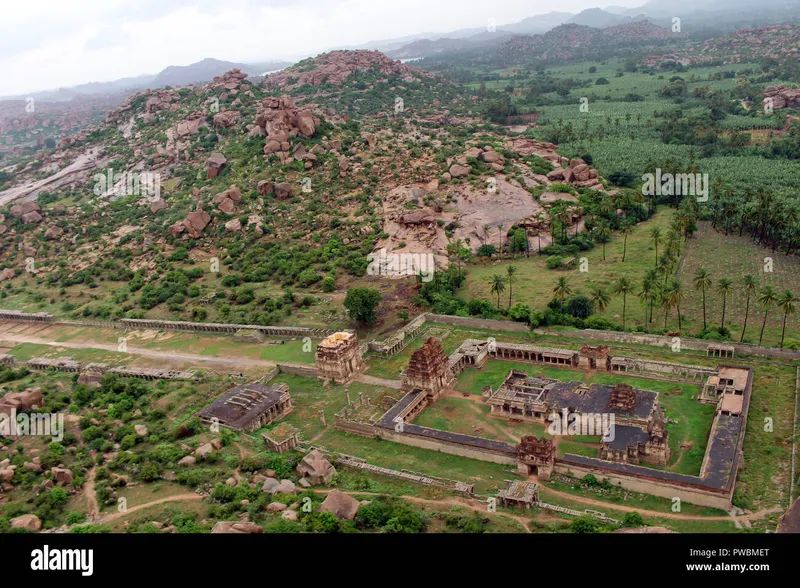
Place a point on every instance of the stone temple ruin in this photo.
(639, 433)
(429, 370)
(249, 407)
(339, 358)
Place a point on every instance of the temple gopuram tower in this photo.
(339, 358)
(429, 370)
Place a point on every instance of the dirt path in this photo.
(91, 497)
(157, 355)
(177, 498)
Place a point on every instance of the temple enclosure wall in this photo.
(445, 447)
(476, 323)
(298, 370)
(650, 486)
(663, 341)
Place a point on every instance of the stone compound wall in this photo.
(663, 341)
(298, 370)
(696, 496)
(445, 447)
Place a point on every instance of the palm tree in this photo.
(562, 289)
(702, 281)
(599, 298)
(510, 270)
(750, 287)
(675, 296)
(724, 287)
(768, 297)
(788, 304)
(645, 295)
(603, 236)
(626, 230)
(498, 286)
(655, 238)
(623, 286)
(500, 237)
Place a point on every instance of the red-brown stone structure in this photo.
(339, 358)
(536, 456)
(429, 370)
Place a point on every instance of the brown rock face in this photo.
(341, 505)
(283, 191)
(264, 188)
(459, 171)
(53, 233)
(29, 522)
(6, 274)
(20, 210)
(62, 475)
(158, 205)
(214, 165)
(315, 468)
(226, 119)
(196, 223)
(280, 120)
(21, 400)
(234, 527)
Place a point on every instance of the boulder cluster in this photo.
(279, 120)
(781, 97)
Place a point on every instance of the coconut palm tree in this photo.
(788, 304)
(702, 281)
(498, 286)
(767, 299)
(500, 237)
(603, 236)
(627, 229)
(750, 287)
(675, 295)
(510, 270)
(599, 298)
(655, 239)
(724, 287)
(623, 286)
(562, 289)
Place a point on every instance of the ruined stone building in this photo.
(249, 407)
(339, 358)
(429, 370)
(536, 456)
(595, 358)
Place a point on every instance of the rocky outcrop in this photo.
(53, 233)
(26, 209)
(226, 201)
(194, 224)
(283, 191)
(214, 165)
(236, 528)
(336, 66)
(29, 522)
(341, 505)
(781, 97)
(459, 171)
(281, 120)
(25, 400)
(315, 468)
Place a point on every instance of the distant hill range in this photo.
(174, 75)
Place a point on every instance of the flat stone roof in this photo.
(238, 407)
(625, 436)
(596, 399)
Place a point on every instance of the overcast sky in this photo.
(47, 44)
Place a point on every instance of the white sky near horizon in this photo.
(49, 44)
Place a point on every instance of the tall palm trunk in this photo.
(746, 312)
(764, 324)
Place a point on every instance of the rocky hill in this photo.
(778, 42)
(573, 41)
(293, 182)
